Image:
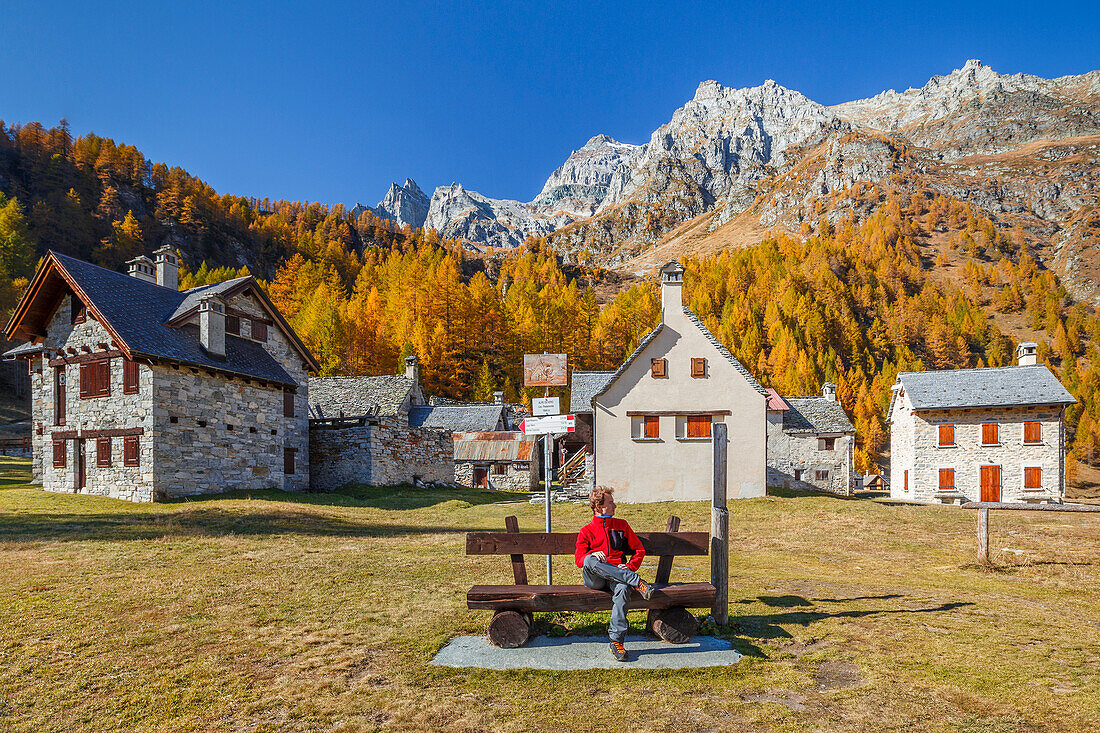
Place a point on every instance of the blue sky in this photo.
(332, 102)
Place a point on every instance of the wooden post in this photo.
(719, 530)
(983, 536)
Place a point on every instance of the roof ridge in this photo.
(725, 352)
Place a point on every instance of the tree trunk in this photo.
(509, 629)
(674, 625)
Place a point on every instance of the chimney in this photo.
(212, 325)
(141, 267)
(828, 391)
(412, 369)
(167, 267)
(672, 286)
(1027, 354)
(498, 398)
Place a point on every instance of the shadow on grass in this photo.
(769, 626)
(374, 497)
(786, 493)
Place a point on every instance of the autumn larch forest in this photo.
(922, 283)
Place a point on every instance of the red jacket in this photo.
(611, 537)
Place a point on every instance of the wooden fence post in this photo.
(983, 536)
(719, 530)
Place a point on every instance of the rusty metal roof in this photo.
(495, 446)
(775, 402)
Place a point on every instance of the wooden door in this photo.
(481, 478)
(991, 483)
(81, 474)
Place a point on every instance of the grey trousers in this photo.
(618, 581)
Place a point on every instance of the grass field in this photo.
(271, 612)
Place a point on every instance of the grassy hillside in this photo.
(321, 612)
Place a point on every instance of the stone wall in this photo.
(516, 476)
(921, 455)
(384, 453)
(794, 459)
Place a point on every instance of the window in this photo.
(129, 377)
(698, 367)
(59, 454)
(698, 426)
(499, 469)
(947, 479)
(1033, 432)
(59, 395)
(905, 485)
(130, 450)
(103, 452)
(821, 475)
(990, 433)
(77, 312)
(826, 443)
(233, 325)
(947, 436)
(95, 379)
(658, 368)
(259, 331)
(288, 461)
(1033, 477)
(288, 403)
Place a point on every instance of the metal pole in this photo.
(719, 530)
(546, 481)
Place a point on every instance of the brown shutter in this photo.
(59, 454)
(698, 367)
(103, 452)
(104, 368)
(288, 403)
(1033, 432)
(905, 486)
(652, 426)
(947, 479)
(1033, 478)
(87, 374)
(233, 325)
(130, 450)
(288, 461)
(129, 377)
(947, 435)
(989, 433)
(698, 426)
(259, 331)
(658, 368)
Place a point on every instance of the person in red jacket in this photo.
(601, 545)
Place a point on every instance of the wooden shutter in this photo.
(989, 433)
(59, 454)
(233, 325)
(288, 403)
(698, 426)
(131, 450)
(652, 426)
(1033, 478)
(288, 461)
(698, 367)
(129, 377)
(87, 376)
(905, 486)
(103, 452)
(658, 368)
(259, 332)
(1033, 432)
(990, 477)
(947, 436)
(947, 479)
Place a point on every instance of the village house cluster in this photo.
(144, 392)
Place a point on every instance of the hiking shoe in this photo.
(618, 651)
(645, 590)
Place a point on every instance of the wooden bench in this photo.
(514, 604)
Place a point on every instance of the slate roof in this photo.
(474, 418)
(22, 350)
(493, 446)
(815, 415)
(137, 310)
(584, 386)
(358, 396)
(1009, 386)
(195, 295)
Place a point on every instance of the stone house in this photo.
(361, 431)
(811, 443)
(501, 460)
(143, 392)
(993, 434)
(652, 418)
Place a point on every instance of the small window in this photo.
(990, 433)
(173, 419)
(658, 368)
(229, 427)
(131, 450)
(202, 423)
(1033, 477)
(103, 452)
(95, 379)
(274, 431)
(499, 469)
(698, 426)
(288, 403)
(129, 377)
(1033, 432)
(821, 475)
(59, 454)
(288, 461)
(59, 395)
(947, 479)
(698, 367)
(947, 436)
(78, 313)
(252, 429)
(233, 325)
(259, 331)
(826, 443)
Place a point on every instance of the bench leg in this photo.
(674, 625)
(510, 629)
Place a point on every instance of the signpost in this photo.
(546, 371)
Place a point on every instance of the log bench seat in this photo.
(514, 604)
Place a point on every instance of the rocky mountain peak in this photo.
(406, 205)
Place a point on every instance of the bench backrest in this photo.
(665, 545)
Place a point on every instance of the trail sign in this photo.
(541, 406)
(548, 425)
(544, 370)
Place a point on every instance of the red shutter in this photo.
(129, 377)
(288, 403)
(989, 433)
(652, 426)
(103, 452)
(1033, 478)
(698, 426)
(130, 450)
(947, 435)
(59, 454)
(947, 479)
(905, 486)
(1033, 432)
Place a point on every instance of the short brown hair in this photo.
(595, 497)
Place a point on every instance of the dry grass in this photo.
(304, 612)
